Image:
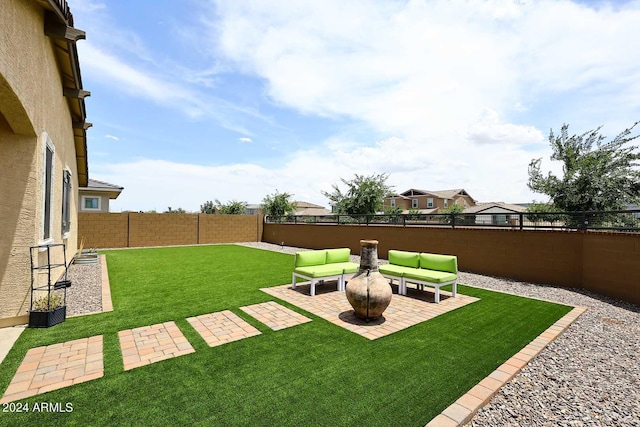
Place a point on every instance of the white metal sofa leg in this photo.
(400, 283)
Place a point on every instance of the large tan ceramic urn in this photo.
(368, 292)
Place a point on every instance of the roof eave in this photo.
(59, 27)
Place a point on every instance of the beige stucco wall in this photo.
(32, 108)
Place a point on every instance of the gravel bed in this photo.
(589, 376)
(85, 294)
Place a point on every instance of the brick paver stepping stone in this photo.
(403, 312)
(56, 366)
(222, 327)
(150, 344)
(275, 315)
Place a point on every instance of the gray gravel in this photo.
(589, 376)
(85, 294)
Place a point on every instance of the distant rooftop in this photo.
(112, 190)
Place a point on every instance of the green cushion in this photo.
(308, 258)
(393, 270)
(338, 255)
(405, 259)
(347, 267)
(320, 270)
(448, 263)
(430, 276)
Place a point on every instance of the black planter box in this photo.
(45, 319)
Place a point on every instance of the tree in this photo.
(364, 196)
(208, 207)
(453, 211)
(393, 210)
(176, 211)
(543, 212)
(277, 205)
(597, 175)
(233, 207)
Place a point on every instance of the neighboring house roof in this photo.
(480, 207)
(58, 27)
(305, 205)
(112, 190)
(442, 194)
(313, 211)
(420, 211)
(306, 208)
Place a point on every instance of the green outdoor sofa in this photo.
(325, 264)
(421, 269)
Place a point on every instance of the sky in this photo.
(200, 100)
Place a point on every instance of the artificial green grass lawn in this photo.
(312, 374)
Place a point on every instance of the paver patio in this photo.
(56, 366)
(275, 315)
(222, 327)
(150, 344)
(403, 312)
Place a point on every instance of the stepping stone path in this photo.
(275, 315)
(56, 366)
(149, 344)
(222, 327)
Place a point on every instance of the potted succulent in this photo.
(47, 311)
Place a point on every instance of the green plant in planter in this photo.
(49, 303)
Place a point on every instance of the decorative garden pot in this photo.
(368, 292)
(45, 319)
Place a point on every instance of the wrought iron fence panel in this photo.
(626, 221)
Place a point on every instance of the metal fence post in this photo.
(453, 220)
(521, 219)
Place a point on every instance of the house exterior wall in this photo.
(32, 110)
(104, 202)
(495, 215)
(423, 202)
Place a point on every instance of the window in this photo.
(90, 203)
(393, 203)
(47, 198)
(429, 202)
(66, 201)
(414, 203)
(446, 203)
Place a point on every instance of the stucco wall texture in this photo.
(130, 229)
(32, 106)
(605, 263)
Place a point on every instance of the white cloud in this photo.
(115, 138)
(486, 174)
(489, 130)
(423, 68)
(244, 140)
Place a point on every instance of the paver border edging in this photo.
(462, 410)
(107, 304)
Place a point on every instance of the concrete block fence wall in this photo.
(130, 229)
(605, 263)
